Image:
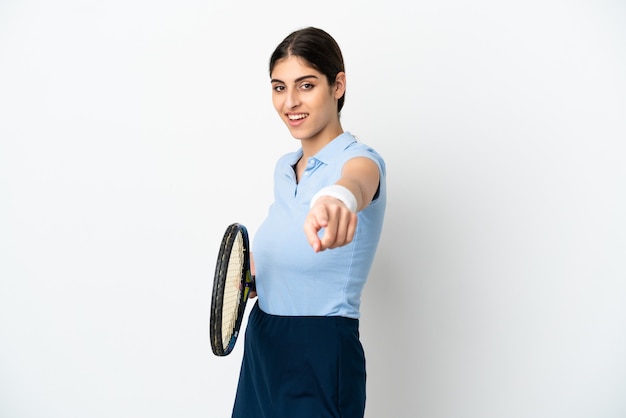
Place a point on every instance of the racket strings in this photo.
(232, 289)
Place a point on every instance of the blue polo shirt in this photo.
(291, 278)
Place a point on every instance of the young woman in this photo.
(313, 253)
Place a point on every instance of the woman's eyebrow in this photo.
(304, 77)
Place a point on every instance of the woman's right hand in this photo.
(252, 293)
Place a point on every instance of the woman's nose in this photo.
(292, 99)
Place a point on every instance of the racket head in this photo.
(231, 286)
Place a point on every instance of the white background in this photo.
(133, 132)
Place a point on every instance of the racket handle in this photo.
(251, 283)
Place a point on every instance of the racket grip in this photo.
(251, 284)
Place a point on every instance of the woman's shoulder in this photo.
(358, 148)
(289, 158)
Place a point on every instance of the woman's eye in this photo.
(279, 88)
(307, 86)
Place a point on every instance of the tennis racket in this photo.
(231, 287)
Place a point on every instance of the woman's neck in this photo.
(312, 146)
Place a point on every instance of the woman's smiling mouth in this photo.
(297, 116)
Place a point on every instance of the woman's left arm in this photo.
(360, 178)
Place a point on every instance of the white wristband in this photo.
(338, 192)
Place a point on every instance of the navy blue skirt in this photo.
(301, 367)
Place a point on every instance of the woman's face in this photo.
(305, 101)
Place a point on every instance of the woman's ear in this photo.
(340, 85)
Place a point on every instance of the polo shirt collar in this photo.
(335, 147)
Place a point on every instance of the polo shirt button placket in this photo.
(309, 167)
